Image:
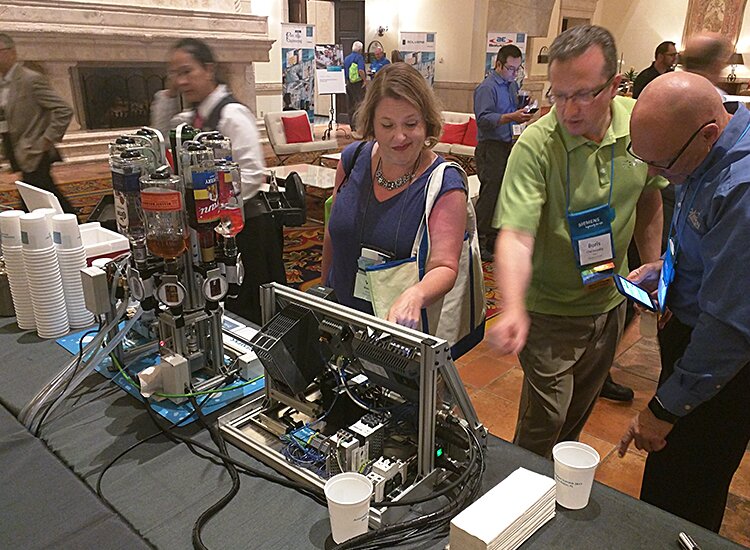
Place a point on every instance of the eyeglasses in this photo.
(511, 68)
(662, 166)
(581, 98)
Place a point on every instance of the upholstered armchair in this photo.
(290, 133)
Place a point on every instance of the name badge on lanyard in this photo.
(591, 237)
(666, 276)
(593, 244)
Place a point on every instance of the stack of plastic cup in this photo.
(10, 227)
(71, 257)
(43, 273)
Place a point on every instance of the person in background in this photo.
(32, 119)
(379, 62)
(288, 102)
(696, 427)
(354, 73)
(395, 56)
(192, 74)
(497, 108)
(665, 58)
(571, 201)
(707, 54)
(379, 197)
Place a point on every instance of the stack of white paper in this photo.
(506, 515)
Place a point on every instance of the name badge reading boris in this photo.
(593, 244)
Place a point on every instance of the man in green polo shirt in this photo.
(572, 198)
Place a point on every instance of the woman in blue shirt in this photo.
(379, 206)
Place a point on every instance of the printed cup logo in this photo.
(567, 482)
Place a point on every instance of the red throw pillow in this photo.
(453, 133)
(470, 137)
(297, 129)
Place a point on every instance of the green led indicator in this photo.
(439, 452)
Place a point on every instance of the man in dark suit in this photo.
(32, 119)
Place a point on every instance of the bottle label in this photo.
(161, 201)
(206, 196)
(226, 190)
(126, 183)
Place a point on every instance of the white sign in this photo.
(330, 81)
(297, 36)
(417, 41)
(418, 50)
(496, 40)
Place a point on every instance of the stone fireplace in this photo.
(107, 60)
(117, 96)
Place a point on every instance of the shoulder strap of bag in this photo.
(212, 120)
(432, 190)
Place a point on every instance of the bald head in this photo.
(707, 54)
(671, 109)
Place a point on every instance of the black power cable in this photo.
(215, 508)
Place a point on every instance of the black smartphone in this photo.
(635, 292)
(533, 110)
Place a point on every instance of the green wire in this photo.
(175, 395)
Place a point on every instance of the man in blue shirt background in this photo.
(379, 62)
(696, 428)
(355, 80)
(496, 108)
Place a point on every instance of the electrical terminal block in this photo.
(370, 429)
(378, 484)
(392, 470)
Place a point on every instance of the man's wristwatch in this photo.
(660, 412)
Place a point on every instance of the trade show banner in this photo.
(496, 40)
(298, 67)
(329, 69)
(418, 50)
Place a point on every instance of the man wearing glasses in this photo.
(571, 200)
(696, 427)
(497, 108)
(665, 58)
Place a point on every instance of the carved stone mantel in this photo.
(59, 35)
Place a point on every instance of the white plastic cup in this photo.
(649, 324)
(10, 228)
(35, 232)
(65, 232)
(575, 466)
(348, 495)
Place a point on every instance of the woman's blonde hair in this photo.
(400, 81)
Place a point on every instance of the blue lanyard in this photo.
(611, 179)
(674, 224)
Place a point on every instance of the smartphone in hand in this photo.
(635, 292)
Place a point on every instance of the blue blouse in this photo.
(358, 219)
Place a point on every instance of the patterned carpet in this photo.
(84, 195)
(302, 256)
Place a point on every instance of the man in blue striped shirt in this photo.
(496, 108)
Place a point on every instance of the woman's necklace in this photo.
(398, 182)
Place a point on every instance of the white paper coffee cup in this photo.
(575, 466)
(348, 497)
(65, 232)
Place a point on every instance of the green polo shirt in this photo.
(532, 200)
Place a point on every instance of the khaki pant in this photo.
(565, 362)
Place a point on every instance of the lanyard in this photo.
(404, 202)
(611, 179)
(675, 228)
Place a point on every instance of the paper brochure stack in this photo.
(507, 515)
